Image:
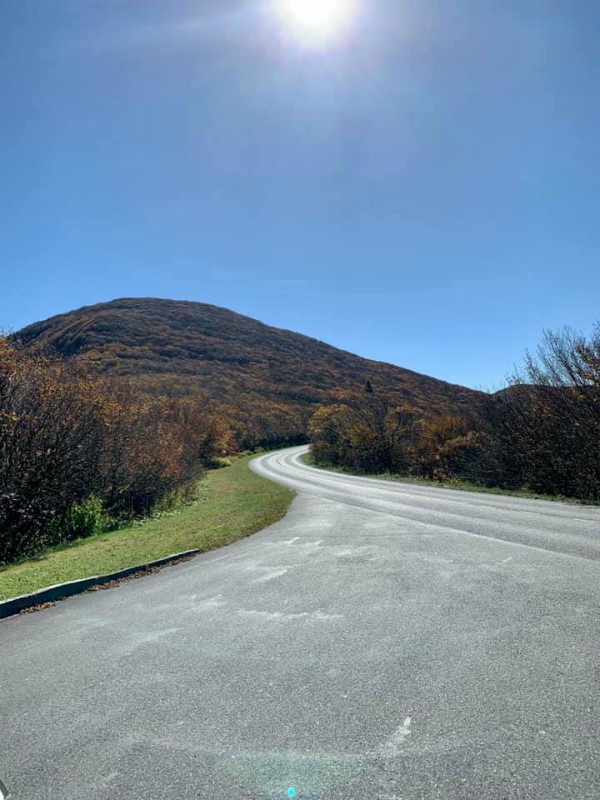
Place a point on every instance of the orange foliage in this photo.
(66, 436)
(267, 382)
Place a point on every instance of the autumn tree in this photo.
(50, 440)
(329, 430)
(364, 434)
(72, 445)
(446, 447)
(554, 407)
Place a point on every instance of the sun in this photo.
(317, 20)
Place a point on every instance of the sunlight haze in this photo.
(317, 20)
(300, 362)
(413, 182)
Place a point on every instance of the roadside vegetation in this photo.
(80, 452)
(445, 483)
(540, 436)
(228, 504)
(84, 457)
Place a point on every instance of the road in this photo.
(382, 642)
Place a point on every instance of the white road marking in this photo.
(394, 744)
(208, 603)
(151, 637)
(279, 615)
(290, 542)
(276, 573)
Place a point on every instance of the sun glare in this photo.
(317, 20)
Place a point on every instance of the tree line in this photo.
(541, 433)
(76, 450)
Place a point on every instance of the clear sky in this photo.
(418, 184)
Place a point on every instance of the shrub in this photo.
(79, 520)
(72, 445)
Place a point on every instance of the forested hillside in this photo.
(81, 392)
(267, 382)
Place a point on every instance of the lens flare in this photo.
(317, 20)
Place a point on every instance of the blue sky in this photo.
(423, 190)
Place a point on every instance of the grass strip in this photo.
(231, 503)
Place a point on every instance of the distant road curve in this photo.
(561, 528)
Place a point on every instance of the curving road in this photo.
(558, 527)
(382, 642)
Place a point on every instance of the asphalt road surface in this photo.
(382, 642)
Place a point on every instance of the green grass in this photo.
(463, 486)
(231, 503)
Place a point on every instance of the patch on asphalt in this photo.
(308, 774)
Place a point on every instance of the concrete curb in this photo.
(61, 590)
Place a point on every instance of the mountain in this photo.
(267, 380)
